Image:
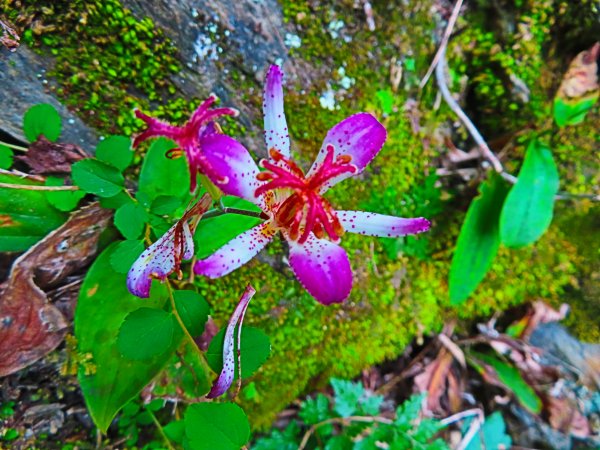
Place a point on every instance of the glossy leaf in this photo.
(161, 175)
(109, 381)
(115, 150)
(573, 111)
(25, 216)
(62, 200)
(147, 333)
(96, 177)
(214, 232)
(216, 426)
(165, 204)
(42, 119)
(125, 254)
(193, 310)
(130, 220)
(529, 205)
(478, 240)
(255, 350)
(6, 157)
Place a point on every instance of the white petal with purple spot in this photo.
(276, 131)
(323, 269)
(236, 252)
(372, 224)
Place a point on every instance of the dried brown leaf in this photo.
(44, 156)
(31, 326)
(582, 75)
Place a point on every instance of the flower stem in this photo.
(190, 339)
(13, 146)
(227, 210)
(161, 431)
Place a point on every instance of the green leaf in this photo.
(96, 177)
(529, 205)
(347, 395)
(163, 176)
(175, 431)
(255, 350)
(216, 426)
(42, 119)
(572, 112)
(165, 204)
(109, 381)
(125, 254)
(25, 216)
(115, 150)
(215, 232)
(494, 433)
(512, 379)
(386, 100)
(130, 220)
(408, 411)
(62, 200)
(116, 201)
(193, 310)
(478, 240)
(315, 410)
(6, 157)
(147, 333)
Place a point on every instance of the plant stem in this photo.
(31, 187)
(226, 210)
(13, 146)
(160, 430)
(192, 342)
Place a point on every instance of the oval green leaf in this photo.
(255, 350)
(109, 381)
(6, 157)
(161, 175)
(62, 200)
(216, 426)
(147, 333)
(478, 240)
(193, 310)
(115, 150)
(130, 220)
(125, 254)
(572, 112)
(42, 119)
(529, 205)
(96, 177)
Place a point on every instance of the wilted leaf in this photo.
(433, 382)
(529, 205)
(31, 326)
(44, 156)
(478, 240)
(25, 215)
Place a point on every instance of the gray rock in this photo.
(23, 81)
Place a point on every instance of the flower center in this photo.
(304, 211)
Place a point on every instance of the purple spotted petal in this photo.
(227, 375)
(276, 131)
(236, 252)
(157, 261)
(323, 269)
(188, 242)
(372, 224)
(360, 136)
(230, 159)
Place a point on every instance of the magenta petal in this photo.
(236, 252)
(323, 269)
(232, 168)
(227, 374)
(372, 224)
(360, 136)
(276, 131)
(157, 261)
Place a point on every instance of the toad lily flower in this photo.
(200, 139)
(164, 257)
(294, 202)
